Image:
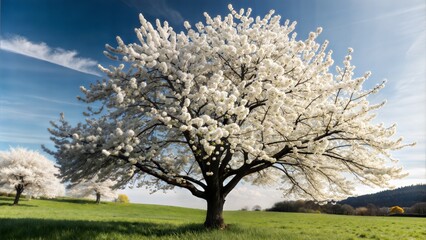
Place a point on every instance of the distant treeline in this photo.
(418, 209)
(412, 199)
(403, 197)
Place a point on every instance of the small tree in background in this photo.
(348, 209)
(245, 208)
(25, 170)
(123, 198)
(256, 208)
(94, 187)
(233, 99)
(362, 211)
(396, 210)
(372, 209)
(383, 211)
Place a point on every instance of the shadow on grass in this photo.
(4, 198)
(30, 228)
(60, 199)
(19, 205)
(9, 202)
(71, 200)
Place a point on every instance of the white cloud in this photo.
(61, 57)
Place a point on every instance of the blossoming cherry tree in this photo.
(25, 170)
(233, 99)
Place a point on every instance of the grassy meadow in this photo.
(81, 219)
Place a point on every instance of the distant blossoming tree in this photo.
(232, 99)
(93, 187)
(22, 169)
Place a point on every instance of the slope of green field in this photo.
(80, 219)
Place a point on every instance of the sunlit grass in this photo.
(80, 219)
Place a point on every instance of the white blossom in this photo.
(75, 136)
(105, 152)
(29, 172)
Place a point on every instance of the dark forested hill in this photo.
(403, 197)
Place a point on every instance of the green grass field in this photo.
(80, 219)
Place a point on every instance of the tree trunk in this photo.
(19, 189)
(214, 218)
(98, 198)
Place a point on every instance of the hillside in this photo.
(68, 219)
(404, 197)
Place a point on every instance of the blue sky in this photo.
(48, 48)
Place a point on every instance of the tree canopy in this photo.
(233, 99)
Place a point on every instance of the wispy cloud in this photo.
(59, 56)
(17, 138)
(25, 111)
(407, 103)
(392, 14)
(51, 100)
(24, 114)
(157, 8)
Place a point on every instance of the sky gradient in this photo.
(49, 48)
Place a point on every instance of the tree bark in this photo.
(214, 218)
(98, 198)
(19, 189)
